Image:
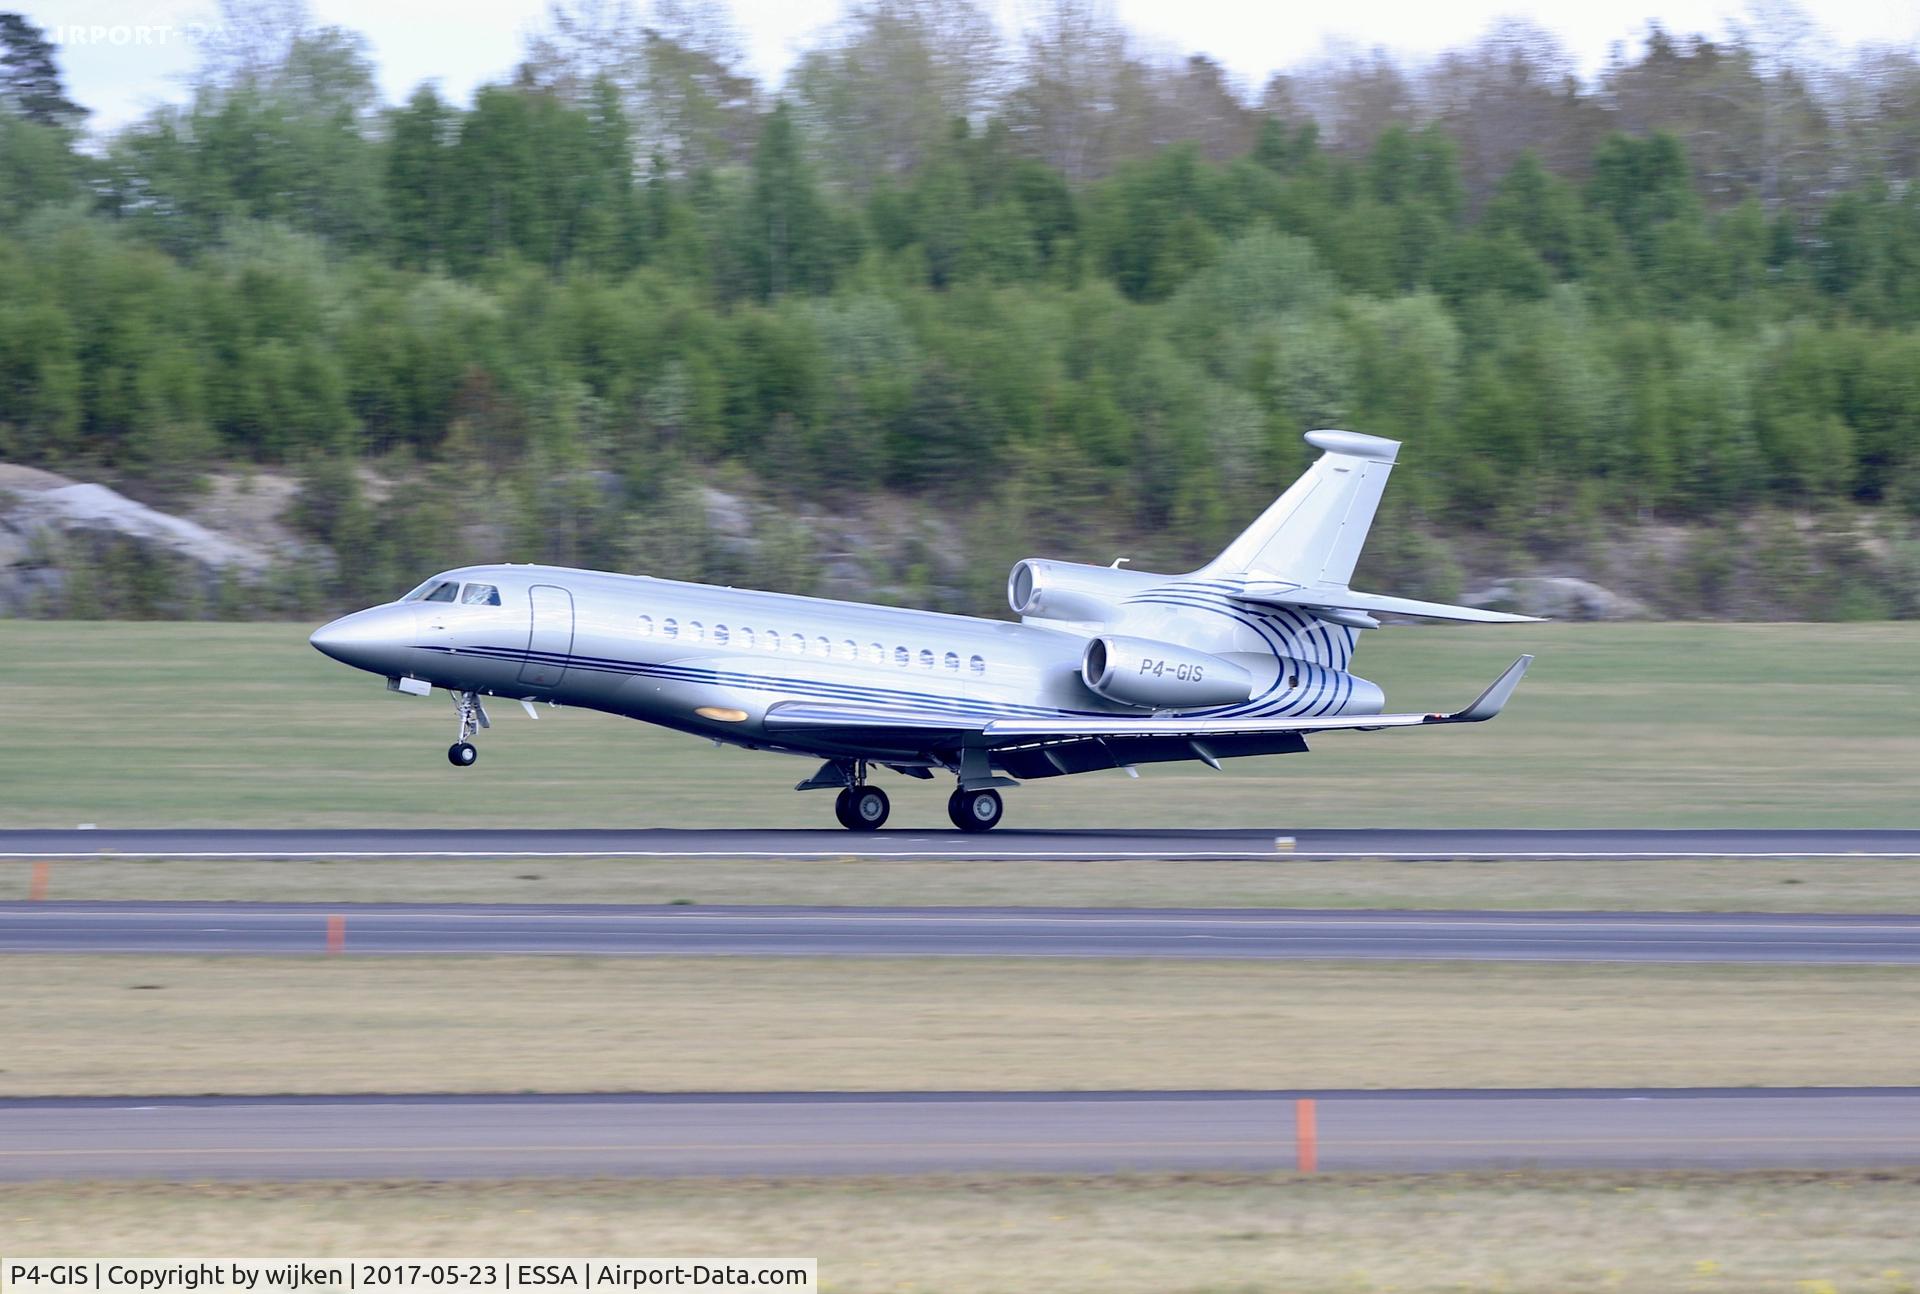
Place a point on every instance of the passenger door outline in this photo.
(549, 635)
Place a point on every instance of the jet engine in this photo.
(1137, 671)
(1038, 589)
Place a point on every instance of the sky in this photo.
(121, 57)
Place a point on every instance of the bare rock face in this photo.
(43, 515)
(1557, 597)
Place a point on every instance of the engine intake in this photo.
(1039, 589)
(1137, 671)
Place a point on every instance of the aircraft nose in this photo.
(371, 640)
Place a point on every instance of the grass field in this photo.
(1518, 1233)
(1684, 725)
(1697, 885)
(151, 1025)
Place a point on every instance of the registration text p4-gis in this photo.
(73, 1275)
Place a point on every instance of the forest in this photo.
(1052, 285)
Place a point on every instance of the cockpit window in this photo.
(480, 595)
(434, 591)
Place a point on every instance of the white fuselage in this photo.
(679, 654)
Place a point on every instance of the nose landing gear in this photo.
(473, 717)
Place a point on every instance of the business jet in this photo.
(1108, 668)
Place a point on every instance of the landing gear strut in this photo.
(975, 810)
(473, 717)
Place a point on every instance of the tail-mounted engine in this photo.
(1135, 671)
(1038, 589)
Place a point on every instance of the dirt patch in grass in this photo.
(1682, 885)
(140, 1024)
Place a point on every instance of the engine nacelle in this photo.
(1136, 671)
(1048, 590)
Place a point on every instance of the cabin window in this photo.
(977, 664)
(720, 635)
(441, 592)
(877, 652)
(798, 642)
(670, 627)
(926, 659)
(646, 626)
(952, 661)
(480, 595)
(825, 645)
(899, 655)
(851, 649)
(773, 640)
(696, 631)
(746, 637)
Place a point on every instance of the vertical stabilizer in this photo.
(1312, 534)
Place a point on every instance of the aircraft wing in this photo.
(1488, 704)
(852, 721)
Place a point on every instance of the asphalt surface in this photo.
(830, 1133)
(1224, 934)
(1062, 845)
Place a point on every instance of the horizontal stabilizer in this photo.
(1341, 598)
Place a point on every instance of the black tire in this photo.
(976, 810)
(867, 808)
(841, 811)
(461, 754)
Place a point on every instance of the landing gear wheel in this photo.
(461, 754)
(975, 810)
(862, 808)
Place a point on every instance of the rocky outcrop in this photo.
(46, 518)
(1557, 597)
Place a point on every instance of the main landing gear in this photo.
(473, 717)
(975, 810)
(861, 808)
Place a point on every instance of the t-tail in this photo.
(1302, 551)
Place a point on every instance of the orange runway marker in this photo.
(1306, 1135)
(37, 884)
(336, 935)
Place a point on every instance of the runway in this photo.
(691, 931)
(776, 1134)
(1263, 843)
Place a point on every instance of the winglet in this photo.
(1494, 699)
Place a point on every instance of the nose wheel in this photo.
(862, 808)
(473, 717)
(975, 810)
